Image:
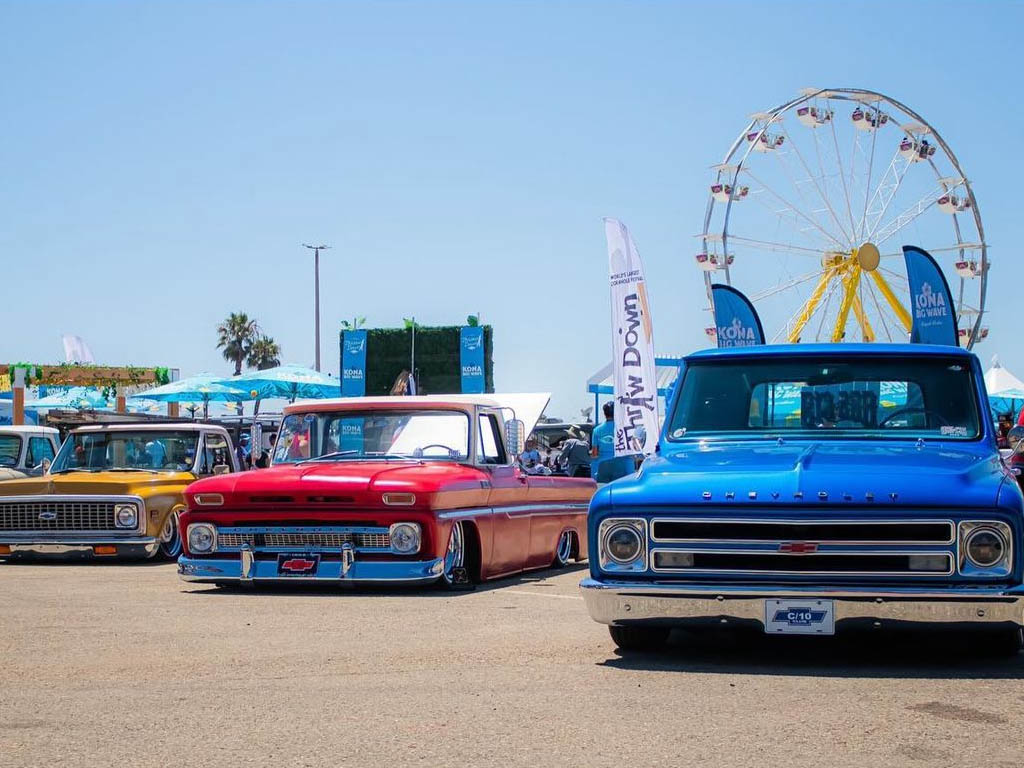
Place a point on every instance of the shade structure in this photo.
(202, 388)
(666, 368)
(286, 381)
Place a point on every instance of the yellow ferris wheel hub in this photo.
(868, 257)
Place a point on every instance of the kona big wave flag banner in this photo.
(636, 382)
(736, 320)
(353, 363)
(471, 359)
(934, 317)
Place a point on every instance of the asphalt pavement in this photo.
(125, 665)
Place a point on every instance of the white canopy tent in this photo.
(1002, 384)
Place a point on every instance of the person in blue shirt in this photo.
(530, 457)
(606, 467)
(603, 438)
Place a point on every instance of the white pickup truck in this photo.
(26, 451)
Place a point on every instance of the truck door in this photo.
(507, 499)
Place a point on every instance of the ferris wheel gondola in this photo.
(808, 217)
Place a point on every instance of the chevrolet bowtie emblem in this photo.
(798, 547)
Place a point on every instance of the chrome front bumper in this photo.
(246, 569)
(70, 548)
(624, 604)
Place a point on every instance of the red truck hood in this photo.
(350, 482)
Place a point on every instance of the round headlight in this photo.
(623, 544)
(985, 547)
(405, 538)
(127, 515)
(202, 537)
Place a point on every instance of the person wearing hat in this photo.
(575, 454)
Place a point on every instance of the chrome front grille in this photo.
(302, 539)
(799, 546)
(906, 532)
(57, 515)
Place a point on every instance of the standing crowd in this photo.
(575, 456)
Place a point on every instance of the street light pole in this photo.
(316, 294)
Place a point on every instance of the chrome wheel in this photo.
(564, 550)
(170, 539)
(455, 557)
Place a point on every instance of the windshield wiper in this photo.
(330, 456)
(133, 469)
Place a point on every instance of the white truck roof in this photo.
(27, 429)
(150, 426)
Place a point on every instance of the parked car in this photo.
(26, 450)
(802, 489)
(391, 489)
(112, 490)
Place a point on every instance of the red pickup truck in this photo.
(392, 489)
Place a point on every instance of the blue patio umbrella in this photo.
(287, 381)
(203, 388)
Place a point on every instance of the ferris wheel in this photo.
(811, 206)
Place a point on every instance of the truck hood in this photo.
(99, 483)
(813, 473)
(350, 482)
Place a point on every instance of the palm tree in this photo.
(355, 324)
(235, 336)
(264, 353)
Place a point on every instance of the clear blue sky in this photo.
(162, 162)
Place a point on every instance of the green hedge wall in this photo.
(388, 351)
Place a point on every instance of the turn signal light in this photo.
(399, 499)
(5, 549)
(209, 499)
(105, 549)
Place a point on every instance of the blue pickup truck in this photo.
(808, 488)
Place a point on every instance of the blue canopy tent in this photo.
(7, 411)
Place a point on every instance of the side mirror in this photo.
(1014, 438)
(514, 437)
(221, 469)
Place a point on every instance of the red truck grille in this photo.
(293, 539)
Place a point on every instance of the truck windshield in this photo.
(852, 397)
(352, 435)
(152, 450)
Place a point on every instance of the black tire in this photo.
(1005, 642)
(170, 539)
(639, 638)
